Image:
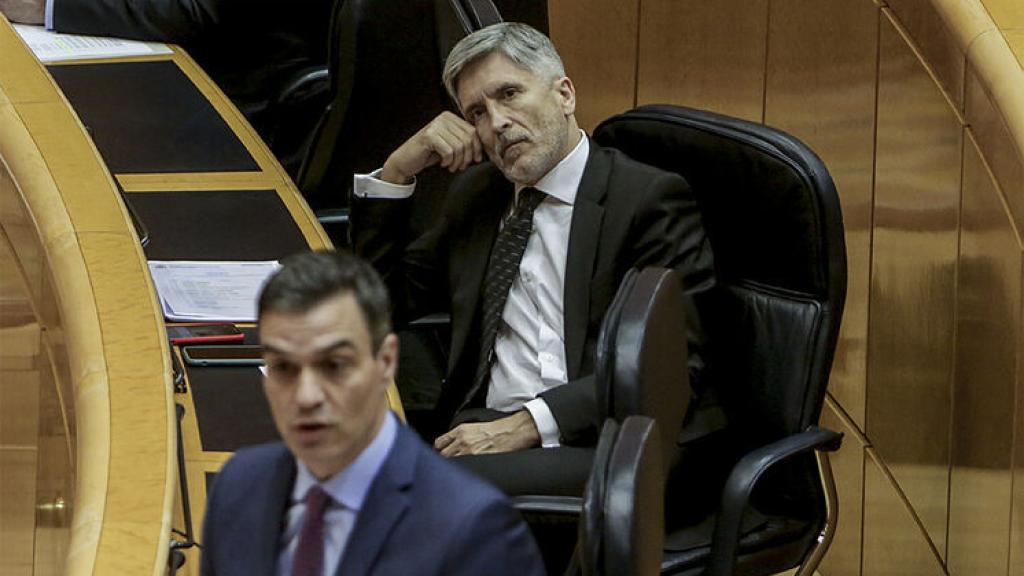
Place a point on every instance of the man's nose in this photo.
(310, 391)
(500, 120)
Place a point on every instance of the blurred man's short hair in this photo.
(307, 279)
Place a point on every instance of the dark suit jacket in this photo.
(250, 48)
(626, 214)
(422, 516)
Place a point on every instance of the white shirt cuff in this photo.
(371, 186)
(48, 15)
(545, 421)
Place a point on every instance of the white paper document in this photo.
(50, 46)
(194, 291)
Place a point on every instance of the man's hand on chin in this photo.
(515, 432)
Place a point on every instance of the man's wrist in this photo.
(525, 428)
(392, 175)
(544, 422)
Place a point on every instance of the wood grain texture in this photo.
(91, 254)
(708, 55)
(913, 280)
(988, 345)
(821, 87)
(597, 40)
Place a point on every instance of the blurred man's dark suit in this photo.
(421, 516)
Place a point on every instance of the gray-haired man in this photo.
(527, 255)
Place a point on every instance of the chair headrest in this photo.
(767, 201)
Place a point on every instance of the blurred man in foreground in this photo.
(350, 490)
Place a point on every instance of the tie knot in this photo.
(529, 199)
(316, 501)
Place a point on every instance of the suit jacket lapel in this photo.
(584, 234)
(269, 518)
(386, 502)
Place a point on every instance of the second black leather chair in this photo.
(772, 215)
(621, 529)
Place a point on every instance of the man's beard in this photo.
(539, 158)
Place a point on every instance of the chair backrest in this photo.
(385, 61)
(773, 219)
(772, 215)
(641, 356)
(621, 529)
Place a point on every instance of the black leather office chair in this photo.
(385, 62)
(641, 362)
(640, 369)
(621, 528)
(773, 218)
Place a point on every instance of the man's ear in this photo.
(566, 94)
(387, 356)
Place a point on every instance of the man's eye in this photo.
(510, 93)
(280, 367)
(336, 365)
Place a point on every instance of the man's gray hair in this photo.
(524, 46)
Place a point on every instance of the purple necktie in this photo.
(309, 554)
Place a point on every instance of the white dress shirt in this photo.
(530, 344)
(347, 490)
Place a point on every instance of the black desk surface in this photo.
(217, 225)
(148, 117)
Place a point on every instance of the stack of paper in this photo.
(49, 46)
(210, 291)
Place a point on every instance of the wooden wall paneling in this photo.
(1006, 13)
(1015, 38)
(26, 249)
(987, 347)
(894, 544)
(820, 87)
(597, 40)
(913, 281)
(844, 555)
(937, 44)
(702, 54)
(1017, 517)
(996, 144)
(55, 500)
(17, 507)
(19, 415)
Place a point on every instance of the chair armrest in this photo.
(331, 216)
(740, 485)
(560, 505)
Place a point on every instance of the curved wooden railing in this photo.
(102, 327)
(981, 29)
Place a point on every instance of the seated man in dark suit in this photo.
(350, 491)
(527, 255)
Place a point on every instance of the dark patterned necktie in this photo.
(309, 554)
(502, 268)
